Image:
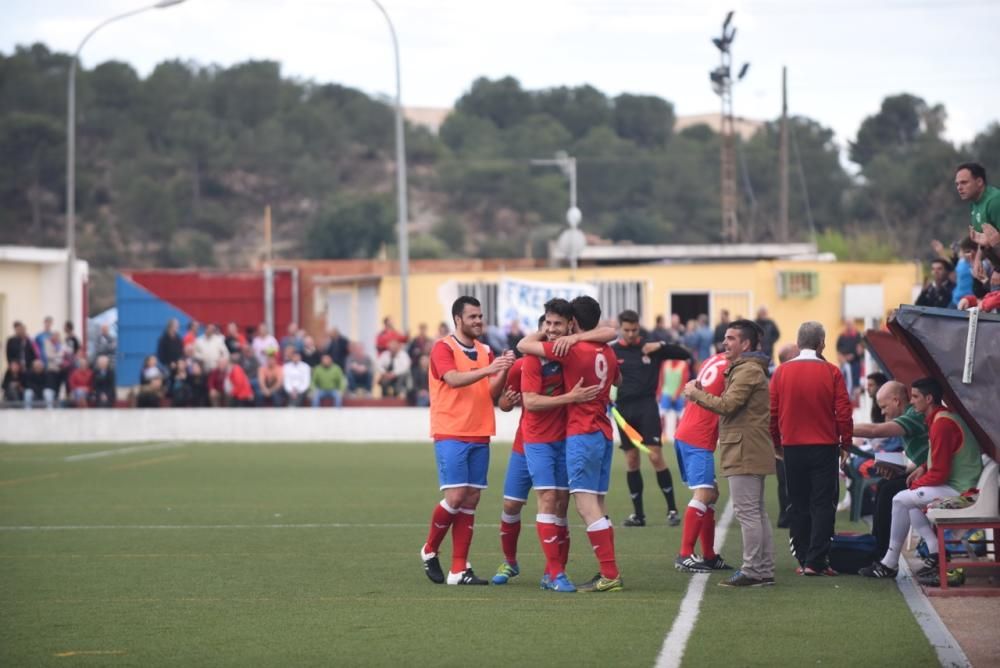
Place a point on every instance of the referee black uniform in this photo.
(636, 401)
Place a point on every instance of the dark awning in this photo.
(932, 342)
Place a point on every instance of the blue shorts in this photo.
(697, 465)
(517, 484)
(588, 462)
(547, 464)
(668, 404)
(462, 464)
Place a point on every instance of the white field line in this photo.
(949, 652)
(125, 451)
(676, 641)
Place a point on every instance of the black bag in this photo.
(851, 552)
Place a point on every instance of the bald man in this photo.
(903, 420)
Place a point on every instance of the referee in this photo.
(640, 363)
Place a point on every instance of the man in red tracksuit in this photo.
(810, 418)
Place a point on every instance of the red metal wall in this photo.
(221, 297)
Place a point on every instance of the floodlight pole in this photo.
(71, 148)
(567, 164)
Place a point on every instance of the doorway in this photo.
(687, 305)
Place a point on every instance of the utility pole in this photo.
(783, 162)
(722, 84)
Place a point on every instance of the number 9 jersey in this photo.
(596, 364)
(699, 426)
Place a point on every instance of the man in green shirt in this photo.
(984, 207)
(904, 421)
(327, 381)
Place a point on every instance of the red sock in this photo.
(441, 520)
(461, 538)
(563, 546)
(693, 518)
(548, 537)
(509, 533)
(603, 541)
(708, 534)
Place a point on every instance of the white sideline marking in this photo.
(949, 652)
(676, 641)
(124, 451)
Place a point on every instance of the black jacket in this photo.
(21, 350)
(641, 373)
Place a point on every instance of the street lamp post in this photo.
(401, 195)
(567, 164)
(71, 148)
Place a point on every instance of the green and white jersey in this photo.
(986, 209)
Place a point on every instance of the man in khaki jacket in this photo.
(747, 451)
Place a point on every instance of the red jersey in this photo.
(545, 378)
(699, 426)
(443, 361)
(596, 364)
(514, 384)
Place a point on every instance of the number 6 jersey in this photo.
(596, 364)
(699, 426)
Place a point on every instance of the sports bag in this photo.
(851, 552)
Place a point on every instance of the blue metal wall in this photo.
(142, 317)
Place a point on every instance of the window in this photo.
(487, 294)
(616, 296)
(801, 284)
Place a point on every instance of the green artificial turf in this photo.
(197, 556)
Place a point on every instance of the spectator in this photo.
(991, 302)
(720, 330)
(179, 389)
(984, 207)
(359, 370)
(388, 333)
(152, 383)
(514, 336)
(310, 353)
(850, 351)
(198, 382)
(13, 382)
(264, 344)
(938, 290)
(105, 390)
(34, 386)
(235, 341)
(57, 363)
(20, 347)
(293, 339)
(41, 337)
(106, 344)
(328, 381)
(443, 330)
(297, 377)
(248, 362)
(421, 381)
(770, 330)
(210, 347)
(393, 367)
(191, 335)
(875, 382)
(338, 347)
(170, 348)
(81, 384)
(703, 338)
(229, 386)
(661, 332)
(70, 340)
(964, 280)
(421, 344)
(810, 418)
(271, 382)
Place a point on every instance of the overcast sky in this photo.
(843, 56)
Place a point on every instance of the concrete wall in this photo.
(249, 425)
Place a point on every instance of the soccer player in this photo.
(695, 440)
(588, 434)
(640, 362)
(544, 427)
(464, 381)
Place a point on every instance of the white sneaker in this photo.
(466, 577)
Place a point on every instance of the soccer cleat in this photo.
(717, 563)
(738, 579)
(689, 564)
(561, 584)
(432, 567)
(505, 572)
(466, 577)
(956, 578)
(878, 570)
(546, 582)
(602, 584)
(819, 572)
(930, 566)
(634, 520)
(672, 518)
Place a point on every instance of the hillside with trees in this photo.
(175, 170)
